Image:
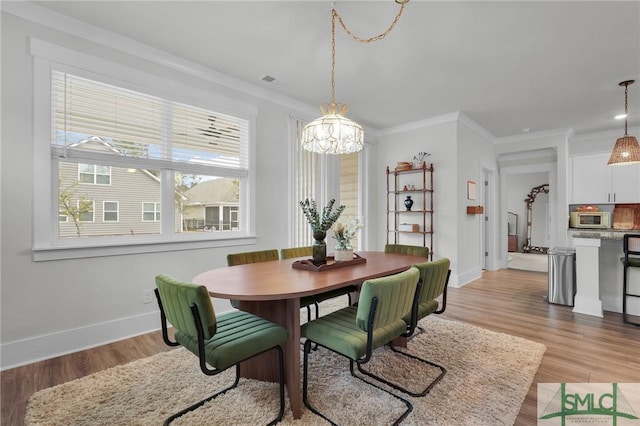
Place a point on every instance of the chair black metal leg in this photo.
(235, 384)
(625, 294)
(398, 397)
(305, 383)
(305, 387)
(434, 382)
(201, 403)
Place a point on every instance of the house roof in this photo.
(212, 192)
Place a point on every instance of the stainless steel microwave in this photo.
(590, 219)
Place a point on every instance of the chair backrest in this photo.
(404, 249)
(288, 253)
(177, 298)
(434, 277)
(631, 244)
(395, 295)
(252, 257)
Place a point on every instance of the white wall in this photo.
(437, 137)
(475, 154)
(459, 152)
(62, 306)
(518, 187)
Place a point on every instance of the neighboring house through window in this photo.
(125, 163)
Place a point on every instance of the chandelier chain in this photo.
(626, 88)
(374, 38)
(334, 15)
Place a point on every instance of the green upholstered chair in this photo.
(234, 259)
(252, 257)
(221, 341)
(434, 279)
(404, 249)
(288, 253)
(355, 331)
(631, 259)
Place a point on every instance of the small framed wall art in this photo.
(471, 190)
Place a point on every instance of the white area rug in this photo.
(529, 262)
(488, 377)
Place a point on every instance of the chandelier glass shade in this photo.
(626, 150)
(333, 133)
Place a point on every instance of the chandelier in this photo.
(626, 150)
(334, 133)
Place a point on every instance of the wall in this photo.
(476, 159)
(63, 306)
(518, 187)
(460, 151)
(438, 137)
(535, 153)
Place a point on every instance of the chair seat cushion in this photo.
(239, 336)
(424, 309)
(634, 262)
(339, 331)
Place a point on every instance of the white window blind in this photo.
(133, 124)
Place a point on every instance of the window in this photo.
(131, 151)
(315, 176)
(94, 174)
(84, 210)
(151, 212)
(110, 211)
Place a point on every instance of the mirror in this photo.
(537, 219)
(512, 224)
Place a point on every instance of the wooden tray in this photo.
(331, 263)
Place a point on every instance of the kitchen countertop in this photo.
(603, 234)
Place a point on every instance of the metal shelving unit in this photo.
(400, 184)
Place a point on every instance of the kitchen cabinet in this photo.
(593, 182)
(410, 206)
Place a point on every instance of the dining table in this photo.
(273, 289)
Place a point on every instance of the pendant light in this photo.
(333, 133)
(626, 150)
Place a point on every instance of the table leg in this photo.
(287, 314)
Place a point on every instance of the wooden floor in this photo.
(580, 348)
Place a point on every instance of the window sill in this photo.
(43, 253)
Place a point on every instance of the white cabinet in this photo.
(596, 183)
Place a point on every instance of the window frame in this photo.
(157, 209)
(93, 211)
(95, 175)
(116, 211)
(46, 244)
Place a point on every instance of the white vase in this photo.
(343, 255)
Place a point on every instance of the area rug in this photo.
(488, 377)
(528, 262)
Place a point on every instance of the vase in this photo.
(408, 202)
(319, 248)
(343, 251)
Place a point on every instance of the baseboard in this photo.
(466, 277)
(27, 351)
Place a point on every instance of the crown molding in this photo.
(427, 122)
(75, 27)
(611, 134)
(564, 132)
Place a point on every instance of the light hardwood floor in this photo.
(580, 348)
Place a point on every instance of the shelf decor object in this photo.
(333, 133)
(626, 150)
(320, 223)
(410, 206)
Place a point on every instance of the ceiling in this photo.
(508, 65)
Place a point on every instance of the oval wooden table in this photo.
(273, 290)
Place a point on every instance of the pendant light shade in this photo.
(626, 150)
(333, 133)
